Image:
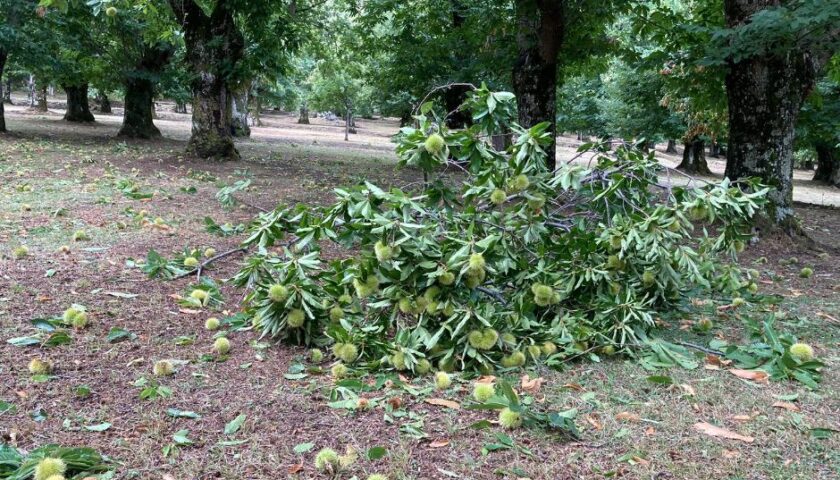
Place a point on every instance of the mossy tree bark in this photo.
(138, 121)
(3, 57)
(214, 47)
(828, 164)
(78, 108)
(694, 157)
(239, 113)
(765, 92)
(540, 29)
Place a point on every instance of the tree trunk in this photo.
(538, 39)
(453, 97)
(180, 107)
(104, 102)
(672, 147)
(347, 125)
(214, 47)
(714, 149)
(42, 100)
(7, 92)
(765, 93)
(694, 157)
(138, 121)
(78, 109)
(828, 164)
(239, 114)
(3, 57)
(304, 114)
(257, 109)
(32, 95)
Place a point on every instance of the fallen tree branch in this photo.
(210, 260)
(701, 348)
(492, 293)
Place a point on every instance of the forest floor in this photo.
(56, 179)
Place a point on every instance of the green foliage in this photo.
(770, 351)
(79, 462)
(612, 246)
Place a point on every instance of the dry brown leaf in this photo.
(688, 389)
(530, 385)
(650, 431)
(295, 468)
(189, 311)
(757, 376)
(787, 406)
(716, 360)
(641, 461)
(741, 418)
(442, 442)
(627, 417)
(715, 431)
(573, 386)
(486, 379)
(731, 453)
(442, 402)
(593, 420)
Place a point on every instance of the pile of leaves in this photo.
(501, 264)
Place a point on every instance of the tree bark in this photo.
(7, 92)
(138, 120)
(3, 57)
(42, 105)
(180, 107)
(672, 147)
(540, 29)
(303, 119)
(694, 157)
(32, 95)
(78, 109)
(765, 93)
(239, 114)
(214, 47)
(104, 102)
(828, 164)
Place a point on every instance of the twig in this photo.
(437, 89)
(701, 348)
(210, 260)
(498, 296)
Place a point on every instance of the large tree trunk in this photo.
(180, 107)
(138, 121)
(765, 93)
(672, 147)
(214, 47)
(78, 109)
(694, 157)
(104, 102)
(7, 91)
(32, 94)
(3, 57)
(539, 36)
(239, 114)
(42, 105)
(303, 118)
(828, 164)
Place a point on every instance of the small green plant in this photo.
(151, 389)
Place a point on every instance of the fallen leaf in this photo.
(741, 418)
(787, 406)
(530, 385)
(688, 389)
(486, 379)
(295, 468)
(717, 360)
(573, 386)
(593, 420)
(439, 443)
(650, 431)
(731, 453)
(640, 460)
(627, 417)
(828, 317)
(442, 402)
(715, 431)
(758, 376)
(189, 311)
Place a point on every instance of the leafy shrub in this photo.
(489, 269)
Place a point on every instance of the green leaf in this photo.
(235, 424)
(660, 379)
(375, 453)
(100, 427)
(180, 438)
(304, 447)
(174, 412)
(117, 334)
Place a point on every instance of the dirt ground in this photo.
(57, 178)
